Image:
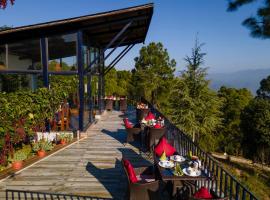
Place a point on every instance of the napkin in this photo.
(163, 156)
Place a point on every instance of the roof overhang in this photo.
(100, 28)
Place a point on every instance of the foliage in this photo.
(264, 90)
(194, 108)
(44, 145)
(255, 124)
(22, 113)
(153, 74)
(18, 156)
(260, 24)
(3, 3)
(234, 102)
(65, 136)
(117, 82)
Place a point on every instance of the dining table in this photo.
(177, 182)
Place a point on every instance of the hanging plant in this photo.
(3, 3)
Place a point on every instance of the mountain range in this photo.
(249, 79)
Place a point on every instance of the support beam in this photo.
(44, 60)
(121, 53)
(101, 81)
(119, 43)
(111, 42)
(81, 78)
(89, 88)
(112, 65)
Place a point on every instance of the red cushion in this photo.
(203, 193)
(127, 123)
(164, 146)
(150, 116)
(157, 126)
(130, 171)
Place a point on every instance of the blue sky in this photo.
(175, 23)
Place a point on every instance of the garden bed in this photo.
(9, 171)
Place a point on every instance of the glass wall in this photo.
(23, 55)
(62, 52)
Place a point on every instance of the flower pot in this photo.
(16, 165)
(63, 142)
(41, 153)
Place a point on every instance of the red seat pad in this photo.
(130, 171)
(150, 116)
(164, 146)
(157, 126)
(203, 193)
(127, 123)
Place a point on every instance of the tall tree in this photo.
(256, 128)
(154, 73)
(259, 24)
(194, 107)
(234, 102)
(3, 3)
(264, 90)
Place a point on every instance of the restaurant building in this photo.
(73, 47)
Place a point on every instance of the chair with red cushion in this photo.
(164, 146)
(141, 113)
(154, 136)
(140, 188)
(203, 194)
(132, 132)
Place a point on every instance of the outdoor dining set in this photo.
(171, 176)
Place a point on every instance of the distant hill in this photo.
(241, 79)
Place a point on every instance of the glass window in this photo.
(14, 82)
(62, 52)
(22, 55)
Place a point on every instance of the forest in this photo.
(228, 120)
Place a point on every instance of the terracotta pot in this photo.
(63, 142)
(41, 153)
(16, 165)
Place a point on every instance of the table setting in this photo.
(180, 166)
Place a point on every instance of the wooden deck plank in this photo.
(90, 167)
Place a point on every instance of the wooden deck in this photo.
(90, 167)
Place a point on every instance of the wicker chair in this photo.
(216, 197)
(154, 135)
(141, 113)
(123, 105)
(143, 190)
(109, 104)
(132, 134)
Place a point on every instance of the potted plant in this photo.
(41, 147)
(17, 159)
(63, 138)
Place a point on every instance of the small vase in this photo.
(63, 142)
(41, 153)
(16, 165)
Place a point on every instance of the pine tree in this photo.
(259, 24)
(194, 108)
(153, 74)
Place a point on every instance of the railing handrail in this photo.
(215, 162)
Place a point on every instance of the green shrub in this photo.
(18, 156)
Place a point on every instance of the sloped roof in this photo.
(100, 27)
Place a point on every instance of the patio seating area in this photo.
(90, 167)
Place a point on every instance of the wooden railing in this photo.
(223, 183)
